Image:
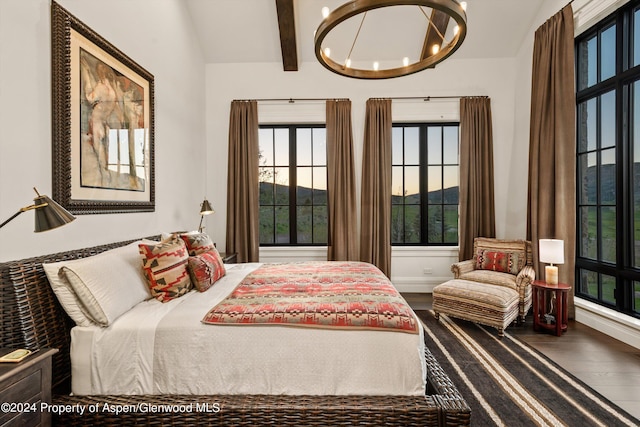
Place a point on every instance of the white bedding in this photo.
(158, 348)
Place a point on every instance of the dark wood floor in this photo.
(607, 365)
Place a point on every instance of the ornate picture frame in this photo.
(102, 122)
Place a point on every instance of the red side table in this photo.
(541, 290)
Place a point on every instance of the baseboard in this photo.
(417, 284)
(617, 325)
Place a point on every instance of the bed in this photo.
(32, 317)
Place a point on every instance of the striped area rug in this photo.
(508, 383)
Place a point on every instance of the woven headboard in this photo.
(30, 315)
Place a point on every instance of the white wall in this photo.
(160, 39)
(495, 78)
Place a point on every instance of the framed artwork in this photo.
(102, 123)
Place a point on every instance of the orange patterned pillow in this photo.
(503, 262)
(165, 267)
(197, 243)
(205, 269)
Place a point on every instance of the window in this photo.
(425, 180)
(608, 162)
(293, 185)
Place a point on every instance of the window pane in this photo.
(587, 125)
(281, 149)
(586, 179)
(636, 297)
(397, 224)
(589, 283)
(281, 178)
(320, 185)
(397, 183)
(412, 224)
(412, 184)
(587, 228)
(265, 147)
(266, 224)
(608, 288)
(319, 147)
(608, 234)
(450, 145)
(608, 120)
(636, 38)
(303, 190)
(434, 145)
(303, 147)
(412, 147)
(397, 144)
(451, 224)
(304, 224)
(434, 182)
(435, 224)
(282, 224)
(587, 60)
(320, 221)
(608, 53)
(266, 190)
(451, 184)
(608, 176)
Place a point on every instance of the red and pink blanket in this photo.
(332, 294)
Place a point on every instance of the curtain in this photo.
(477, 204)
(242, 182)
(375, 235)
(343, 244)
(552, 144)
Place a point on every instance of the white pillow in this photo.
(100, 288)
(67, 298)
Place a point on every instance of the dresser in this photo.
(24, 386)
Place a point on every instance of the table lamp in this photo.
(551, 251)
(205, 209)
(48, 214)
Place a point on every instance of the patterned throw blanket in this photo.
(332, 294)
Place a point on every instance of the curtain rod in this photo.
(291, 100)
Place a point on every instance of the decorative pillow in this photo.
(504, 262)
(197, 243)
(165, 266)
(98, 289)
(205, 269)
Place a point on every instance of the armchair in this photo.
(501, 263)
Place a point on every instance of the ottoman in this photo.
(483, 303)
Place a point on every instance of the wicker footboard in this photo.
(442, 406)
(31, 317)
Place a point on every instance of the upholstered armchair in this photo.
(500, 262)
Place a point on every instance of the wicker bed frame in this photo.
(31, 317)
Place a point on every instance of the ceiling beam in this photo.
(287, 25)
(440, 20)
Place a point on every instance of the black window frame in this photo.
(588, 269)
(292, 191)
(424, 202)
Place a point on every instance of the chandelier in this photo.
(444, 23)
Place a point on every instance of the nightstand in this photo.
(24, 386)
(229, 258)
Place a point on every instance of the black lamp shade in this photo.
(206, 208)
(49, 214)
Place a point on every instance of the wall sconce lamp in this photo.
(551, 251)
(205, 209)
(48, 214)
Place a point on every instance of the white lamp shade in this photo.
(551, 251)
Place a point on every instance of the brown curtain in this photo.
(343, 235)
(375, 235)
(552, 144)
(477, 204)
(242, 182)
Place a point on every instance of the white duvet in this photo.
(158, 348)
